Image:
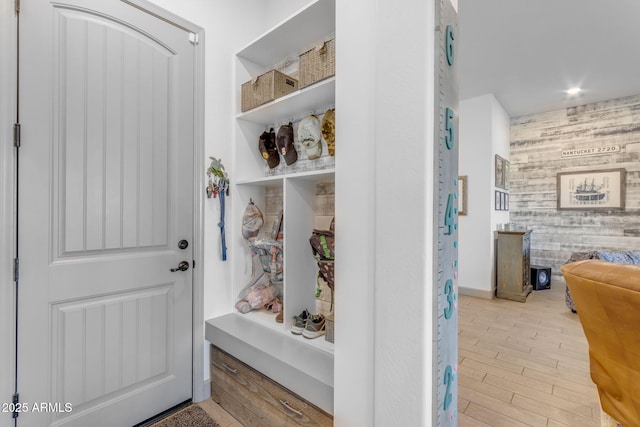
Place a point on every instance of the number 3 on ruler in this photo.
(448, 291)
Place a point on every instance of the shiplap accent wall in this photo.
(537, 142)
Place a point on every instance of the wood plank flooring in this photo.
(524, 364)
(217, 413)
(520, 364)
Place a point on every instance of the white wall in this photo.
(7, 118)
(500, 145)
(275, 11)
(384, 203)
(354, 362)
(228, 26)
(484, 132)
(223, 37)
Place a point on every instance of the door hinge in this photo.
(16, 404)
(193, 38)
(17, 5)
(16, 135)
(16, 269)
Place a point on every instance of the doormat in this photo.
(191, 416)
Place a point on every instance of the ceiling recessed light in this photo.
(573, 90)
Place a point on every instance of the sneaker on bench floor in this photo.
(315, 326)
(299, 322)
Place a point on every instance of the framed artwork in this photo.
(499, 202)
(502, 201)
(591, 190)
(499, 172)
(462, 195)
(502, 171)
(506, 173)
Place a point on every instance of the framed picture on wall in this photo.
(498, 206)
(499, 171)
(462, 195)
(506, 201)
(591, 190)
(506, 173)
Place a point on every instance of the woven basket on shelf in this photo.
(329, 326)
(318, 63)
(267, 87)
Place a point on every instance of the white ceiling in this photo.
(528, 52)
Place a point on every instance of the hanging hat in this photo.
(252, 220)
(285, 144)
(268, 149)
(329, 130)
(309, 136)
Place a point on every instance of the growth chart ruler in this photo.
(446, 228)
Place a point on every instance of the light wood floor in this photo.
(221, 416)
(520, 364)
(524, 364)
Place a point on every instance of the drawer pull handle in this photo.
(286, 405)
(230, 369)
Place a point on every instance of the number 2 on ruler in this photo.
(448, 380)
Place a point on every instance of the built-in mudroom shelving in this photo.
(304, 366)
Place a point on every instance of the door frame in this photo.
(7, 201)
(7, 197)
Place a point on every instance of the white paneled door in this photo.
(106, 195)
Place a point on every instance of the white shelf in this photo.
(267, 319)
(296, 104)
(295, 34)
(315, 175)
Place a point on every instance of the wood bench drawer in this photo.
(256, 400)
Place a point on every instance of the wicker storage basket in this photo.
(318, 63)
(267, 87)
(329, 328)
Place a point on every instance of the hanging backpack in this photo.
(269, 251)
(323, 247)
(252, 221)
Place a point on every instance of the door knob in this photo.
(183, 266)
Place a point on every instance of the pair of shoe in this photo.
(308, 325)
(276, 307)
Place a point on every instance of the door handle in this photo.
(183, 266)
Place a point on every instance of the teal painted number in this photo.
(448, 291)
(448, 215)
(449, 128)
(449, 44)
(448, 379)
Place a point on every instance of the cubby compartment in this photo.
(251, 165)
(300, 267)
(307, 202)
